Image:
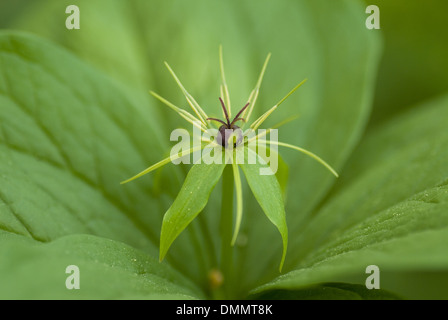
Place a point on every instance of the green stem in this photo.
(226, 225)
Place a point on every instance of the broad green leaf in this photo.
(67, 137)
(267, 191)
(190, 201)
(395, 264)
(391, 210)
(282, 173)
(410, 236)
(387, 168)
(330, 291)
(107, 269)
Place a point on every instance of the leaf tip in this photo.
(162, 254)
(285, 245)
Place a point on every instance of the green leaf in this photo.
(329, 291)
(107, 269)
(387, 168)
(419, 244)
(267, 191)
(191, 199)
(390, 209)
(67, 137)
(282, 173)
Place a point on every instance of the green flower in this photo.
(202, 177)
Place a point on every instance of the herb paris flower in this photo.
(202, 177)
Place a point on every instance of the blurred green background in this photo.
(413, 65)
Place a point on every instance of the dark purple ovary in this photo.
(224, 134)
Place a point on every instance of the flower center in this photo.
(225, 134)
(229, 130)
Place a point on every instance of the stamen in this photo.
(238, 119)
(225, 111)
(214, 119)
(238, 114)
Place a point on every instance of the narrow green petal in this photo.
(254, 126)
(224, 89)
(263, 117)
(308, 153)
(292, 91)
(278, 125)
(239, 200)
(161, 164)
(148, 170)
(191, 101)
(258, 136)
(254, 94)
(192, 198)
(184, 114)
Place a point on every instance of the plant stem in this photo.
(226, 225)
